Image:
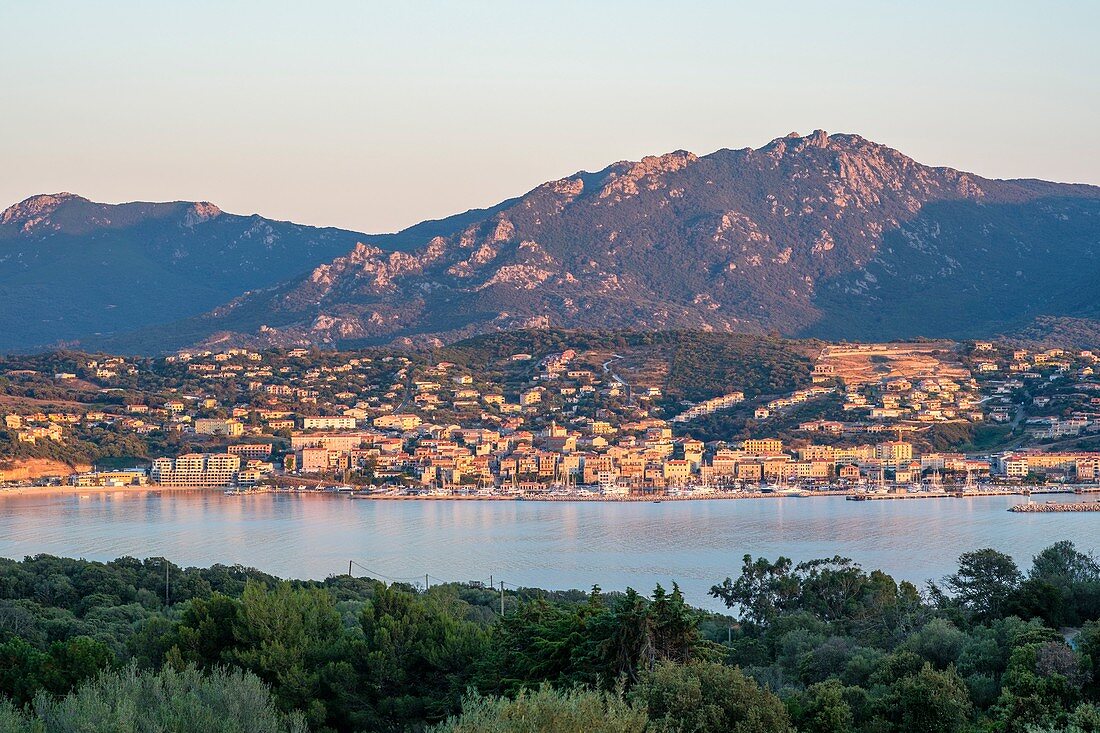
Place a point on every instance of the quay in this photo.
(607, 499)
(917, 495)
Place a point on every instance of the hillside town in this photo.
(868, 421)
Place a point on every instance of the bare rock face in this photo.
(649, 172)
(199, 212)
(35, 211)
(823, 234)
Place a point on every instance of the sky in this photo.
(373, 116)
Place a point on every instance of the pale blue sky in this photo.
(373, 116)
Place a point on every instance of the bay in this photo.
(542, 544)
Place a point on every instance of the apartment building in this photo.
(246, 451)
(196, 470)
(328, 423)
(215, 426)
(894, 453)
(762, 446)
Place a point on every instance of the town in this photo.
(555, 421)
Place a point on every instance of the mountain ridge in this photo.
(71, 268)
(773, 238)
(820, 235)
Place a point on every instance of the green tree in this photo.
(706, 697)
(762, 591)
(184, 701)
(939, 642)
(1063, 562)
(25, 670)
(418, 659)
(984, 582)
(14, 721)
(22, 670)
(207, 631)
(288, 636)
(824, 709)
(930, 701)
(633, 633)
(547, 710)
(541, 642)
(1042, 684)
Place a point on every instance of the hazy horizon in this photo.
(373, 117)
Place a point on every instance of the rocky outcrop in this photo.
(28, 214)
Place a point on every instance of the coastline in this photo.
(659, 499)
(65, 490)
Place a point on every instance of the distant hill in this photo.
(71, 268)
(830, 236)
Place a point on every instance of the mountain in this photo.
(71, 268)
(829, 236)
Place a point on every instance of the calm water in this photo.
(550, 545)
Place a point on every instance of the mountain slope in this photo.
(70, 268)
(831, 236)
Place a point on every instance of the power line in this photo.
(371, 572)
(493, 585)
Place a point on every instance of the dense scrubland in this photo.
(822, 646)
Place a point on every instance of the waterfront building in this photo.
(196, 470)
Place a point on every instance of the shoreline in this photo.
(64, 490)
(51, 491)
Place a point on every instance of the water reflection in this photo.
(556, 545)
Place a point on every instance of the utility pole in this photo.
(349, 567)
(502, 599)
(425, 581)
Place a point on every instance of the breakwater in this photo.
(1077, 506)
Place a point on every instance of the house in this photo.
(762, 446)
(397, 422)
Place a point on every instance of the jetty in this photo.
(1076, 506)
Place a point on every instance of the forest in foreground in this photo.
(817, 647)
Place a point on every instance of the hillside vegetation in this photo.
(694, 365)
